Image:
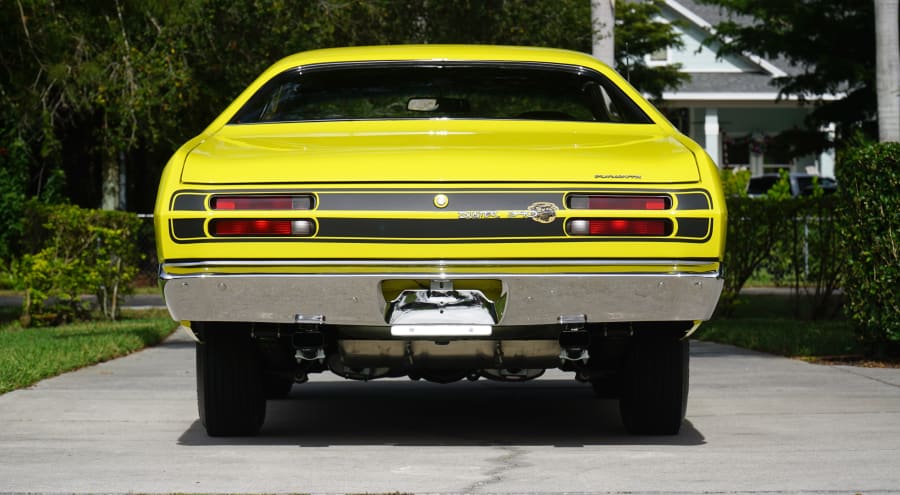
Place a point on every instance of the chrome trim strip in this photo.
(440, 263)
(165, 277)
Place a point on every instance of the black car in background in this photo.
(801, 184)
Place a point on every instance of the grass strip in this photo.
(785, 337)
(28, 355)
(769, 323)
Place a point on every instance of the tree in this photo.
(639, 33)
(830, 42)
(561, 24)
(888, 69)
(91, 82)
(87, 87)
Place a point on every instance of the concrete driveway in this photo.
(757, 424)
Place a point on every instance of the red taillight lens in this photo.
(619, 202)
(261, 203)
(627, 227)
(257, 227)
(620, 227)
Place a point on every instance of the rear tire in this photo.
(655, 386)
(230, 394)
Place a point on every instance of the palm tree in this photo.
(887, 69)
(603, 20)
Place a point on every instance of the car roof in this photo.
(443, 53)
(440, 53)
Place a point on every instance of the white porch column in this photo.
(711, 130)
(826, 158)
(756, 164)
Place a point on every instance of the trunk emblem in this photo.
(540, 212)
(543, 212)
(441, 201)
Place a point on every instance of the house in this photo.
(730, 106)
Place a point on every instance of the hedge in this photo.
(869, 222)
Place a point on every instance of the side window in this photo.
(611, 108)
(602, 103)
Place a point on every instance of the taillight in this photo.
(620, 227)
(260, 227)
(261, 202)
(619, 202)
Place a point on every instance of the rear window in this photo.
(365, 91)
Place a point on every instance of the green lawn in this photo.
(766, 323)
(28, 355)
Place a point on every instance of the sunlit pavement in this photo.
(756, 424)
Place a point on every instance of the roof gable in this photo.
(696, 56)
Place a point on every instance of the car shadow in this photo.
(560, 413)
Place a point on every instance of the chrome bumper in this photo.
(356, 299)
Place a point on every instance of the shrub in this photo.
(76, 251)
(793, 239)
(735, 182)
(755, 226)
(815, 250)
(869, 219)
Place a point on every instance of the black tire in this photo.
(655, 386)
(277, 387)
(230, 383)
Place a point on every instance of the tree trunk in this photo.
(887, 57)
(111, 181)
(603, 20)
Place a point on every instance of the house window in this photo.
(679, 117)
(737, 151)
(777, 156)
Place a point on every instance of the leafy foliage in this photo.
(869, 222)
(832, 42)
(793, 238)
(20, 179)
(96, 78)
(78, 251)
(13, 181)
(735, 182)
(89, 87)
(638, 33)
(754, 227)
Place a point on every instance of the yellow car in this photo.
(442, 213)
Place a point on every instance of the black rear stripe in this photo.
(435, 229)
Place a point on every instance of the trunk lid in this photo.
(440, 151)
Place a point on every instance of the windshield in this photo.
(387, 90)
